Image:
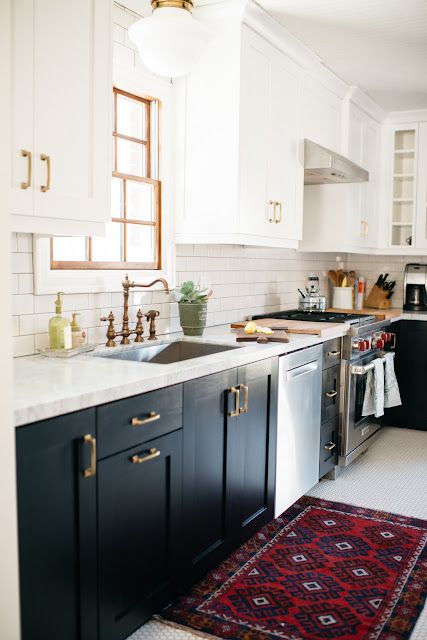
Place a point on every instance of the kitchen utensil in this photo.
(344, 281)
(242, 325)
(277, 336)
(332, 275)
(303, 294)
(351, 279)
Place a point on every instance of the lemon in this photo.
(250, 328)
(265, 330)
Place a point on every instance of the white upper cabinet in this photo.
(344, 217)
(407, 176)
(271, 166)
(243, 166)
(421, 194)
(61, 105)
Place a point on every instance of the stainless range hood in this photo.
(323, 166)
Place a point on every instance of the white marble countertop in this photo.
(49, 387)
(46, 387)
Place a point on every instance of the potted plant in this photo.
(193, 308)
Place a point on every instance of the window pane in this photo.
(140, 243)
(109, 249)
(70, 249)
(131, 158)
(139, 201)
(131, 116)
(117, 198)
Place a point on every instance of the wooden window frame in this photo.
(125, 221)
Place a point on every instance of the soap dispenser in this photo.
(77, 335)
(59, 327)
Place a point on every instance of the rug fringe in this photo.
(182, 627)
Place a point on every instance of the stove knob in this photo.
(362, 345)
(386, 337)
(380, 343)
(368, 344)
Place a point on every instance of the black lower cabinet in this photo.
(411, 372)
(57, 528)
(140, 545)
(229, 461)
(107, 540)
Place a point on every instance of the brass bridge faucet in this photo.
(139, 329)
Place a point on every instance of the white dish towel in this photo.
(391, 387)
(373, 401)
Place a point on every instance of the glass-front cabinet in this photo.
(408, 206)
(404, 185)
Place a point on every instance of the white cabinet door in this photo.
(271, 167)
(369, 190)
(61, 133)
(22, 151)
(421, 196)
(254, 213)
(356, 230)
(71, 109)
(285, 171)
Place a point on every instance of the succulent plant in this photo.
(191, 293)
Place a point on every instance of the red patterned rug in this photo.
(322, 570)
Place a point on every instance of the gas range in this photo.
(366, 335)
(319, 316)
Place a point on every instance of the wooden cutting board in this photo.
(380, 314)
(277, 336)
(322, 329)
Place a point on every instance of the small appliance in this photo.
(414, 286)
(312, 300)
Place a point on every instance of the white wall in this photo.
(9, 593)
(245, 280)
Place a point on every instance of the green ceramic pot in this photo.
(192, 316)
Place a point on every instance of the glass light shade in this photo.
(169, 42)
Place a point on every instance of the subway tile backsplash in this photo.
(244, 280)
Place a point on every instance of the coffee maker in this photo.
(414, 285)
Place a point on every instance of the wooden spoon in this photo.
(332, 275)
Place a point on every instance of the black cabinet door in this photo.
(253, 449)
(208, 471)
(229, 460)
(139, 520)
(57, 529)
(411, 372)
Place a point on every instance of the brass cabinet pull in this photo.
(46, 158)
(90, 471)
(273, 204)
(330, 446)
(27, 154)
(393, 346)
(153, 453)
(277, 220)
(333, 353)
(235, 413)
(152, 417)
(245, 389)
(331, 394)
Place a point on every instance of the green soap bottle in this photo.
(59, 328)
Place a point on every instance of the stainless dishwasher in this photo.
(298, 425)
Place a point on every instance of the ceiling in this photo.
(377, 45)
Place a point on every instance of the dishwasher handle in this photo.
(301, 371)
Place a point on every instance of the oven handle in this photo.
(360, 370)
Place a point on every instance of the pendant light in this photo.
(170, 41)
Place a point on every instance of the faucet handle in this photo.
(111, 332)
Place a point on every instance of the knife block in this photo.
(377, 299)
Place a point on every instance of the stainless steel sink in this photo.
(168, 352)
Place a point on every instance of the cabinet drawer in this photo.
(328, 457)
(152, 414)
(330, 393)
(331, 352)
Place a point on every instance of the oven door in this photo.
(356, 429)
